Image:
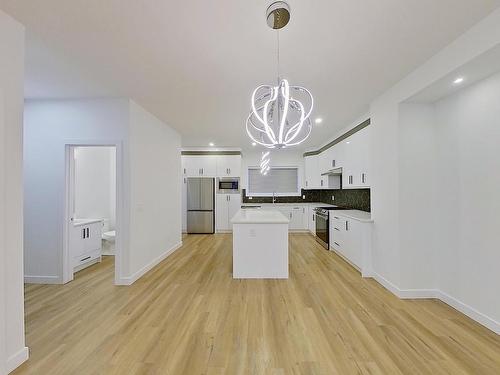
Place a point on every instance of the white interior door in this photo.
(71, 247)
(71, 238)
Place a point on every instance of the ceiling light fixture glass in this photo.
(280, 114)
(458, 80)
(265, 160)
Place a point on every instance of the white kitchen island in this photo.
(260, 244)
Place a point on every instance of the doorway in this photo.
(93, 214)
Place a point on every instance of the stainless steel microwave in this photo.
(228, 185)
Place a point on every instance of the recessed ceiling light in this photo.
(458, 81)
(348, 142)
(211, 144)
(254, 144)
(318, 120)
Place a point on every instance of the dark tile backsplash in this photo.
(358, 199)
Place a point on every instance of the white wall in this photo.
(155, 189)
(12, 347)
(417, 196)
(468, 135)
(280, 158)
(150, 165)
(48, 126)
(395, 255)
(95, 183)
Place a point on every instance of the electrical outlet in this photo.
(333, 198)
(303, 197)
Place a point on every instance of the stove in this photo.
(321, 217)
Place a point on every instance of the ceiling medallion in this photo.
(280, 115)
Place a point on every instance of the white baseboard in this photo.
(29, 279)
(472, 313)
(129, 280)
(465, 309)
(16, 360)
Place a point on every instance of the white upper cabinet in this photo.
(312, 179)
(337, 155)
(355, 173)
(199, 166)
(211, 165)
(352, 154)
(229, 166)
(324, 162)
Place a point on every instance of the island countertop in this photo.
(262, 216)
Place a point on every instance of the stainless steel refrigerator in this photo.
(200, 205)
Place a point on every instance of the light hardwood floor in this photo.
(188, 316)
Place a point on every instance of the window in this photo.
(280, 180)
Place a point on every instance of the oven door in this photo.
(322, 230)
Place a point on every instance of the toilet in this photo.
(108, 238)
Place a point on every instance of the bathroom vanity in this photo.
(86, 244)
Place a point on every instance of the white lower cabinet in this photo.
(86, 244)
(297, 216)
(351, 239)
(226, 207)
(311, 219)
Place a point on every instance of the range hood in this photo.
(333, 172)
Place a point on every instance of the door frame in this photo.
(70, 146)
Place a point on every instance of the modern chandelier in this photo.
(280, 115)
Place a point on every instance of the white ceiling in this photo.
(194, 63)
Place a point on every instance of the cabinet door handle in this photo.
(83, 233)
(321, 182)
(306, 183)
(347, 225)
(314, 217)
(337, 229)
(88, 232)
(184, 170)
(84, 259)
(333, 163)
(336, 244)
(229, 197)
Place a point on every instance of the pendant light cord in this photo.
(278, 53)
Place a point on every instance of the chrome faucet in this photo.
(274, 198)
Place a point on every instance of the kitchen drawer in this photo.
(86, 258)
(337, 222)
(336, 243)
(336, 235)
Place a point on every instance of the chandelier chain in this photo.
(278, 53)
